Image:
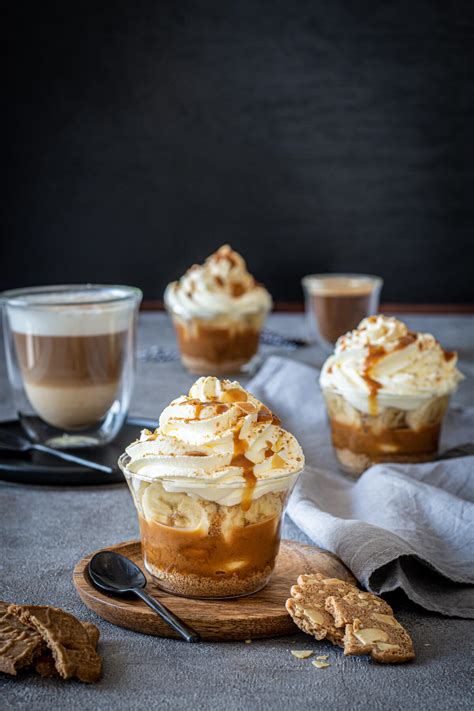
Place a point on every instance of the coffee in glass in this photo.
(70, 353)
(336, 303)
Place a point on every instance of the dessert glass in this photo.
(220, 345)
(218, 310)
(198, 548)
(386, 390)
(389, 435)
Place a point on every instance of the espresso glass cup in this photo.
(201, 548)
(337, 303)
(71, 358)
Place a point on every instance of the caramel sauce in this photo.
(208, 554)
(405, 341)
(389, 444)
(248, 407)
(217, 344)
(375, 354)
(264, 415)
(234, 395)
(278, 462)
(449, 355)
(240, 460)
(219, 408)
(237, 290)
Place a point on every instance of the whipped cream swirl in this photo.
(383, 361)
(221, 286)
(220, 443)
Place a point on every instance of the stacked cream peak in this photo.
(221, 437)
(383, 363)
(220, 286)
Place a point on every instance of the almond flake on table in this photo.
(319, 664)
(301, 653)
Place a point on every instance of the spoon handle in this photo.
(72, 458)
(178, 625)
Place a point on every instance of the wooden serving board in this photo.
(260, 615)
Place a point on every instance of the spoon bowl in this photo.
(114, 573)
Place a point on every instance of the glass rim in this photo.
(353, 276)
(182, 480)
(25, 295)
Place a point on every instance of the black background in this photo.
(312, 136)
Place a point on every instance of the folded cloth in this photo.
(407, 526)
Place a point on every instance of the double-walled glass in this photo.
(70, 357)
(217, 547)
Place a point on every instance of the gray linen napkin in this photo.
(399, 525)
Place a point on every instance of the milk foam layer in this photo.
(221, 286)
(42, 315)
(403, 369)
(194, 448)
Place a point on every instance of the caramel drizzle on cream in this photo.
(239, 397)
(240, 460)
(376, 354)
(236, 395)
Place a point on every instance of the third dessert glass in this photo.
(386, 390)
(218, 311)
(210, 486)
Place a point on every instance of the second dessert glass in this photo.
(218, 311)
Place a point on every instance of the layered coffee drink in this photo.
(210, 486)
(72, 349)
(218, 311)
(338, 302)
(387, 389)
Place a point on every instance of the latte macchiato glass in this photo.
(337, 303)
(71, 356)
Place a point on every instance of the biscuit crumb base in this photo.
(195, 586)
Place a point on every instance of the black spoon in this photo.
(116, 574)
(16, 443)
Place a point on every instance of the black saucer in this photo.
(38, 468)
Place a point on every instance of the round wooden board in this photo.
(260, 615)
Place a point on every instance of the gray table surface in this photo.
(44, 531)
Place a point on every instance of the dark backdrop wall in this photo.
(312, 136)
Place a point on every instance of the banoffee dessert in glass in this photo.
(386, 390)
(210, 486)
(218, 310)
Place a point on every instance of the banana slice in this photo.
(263, 508)
(176, 510)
